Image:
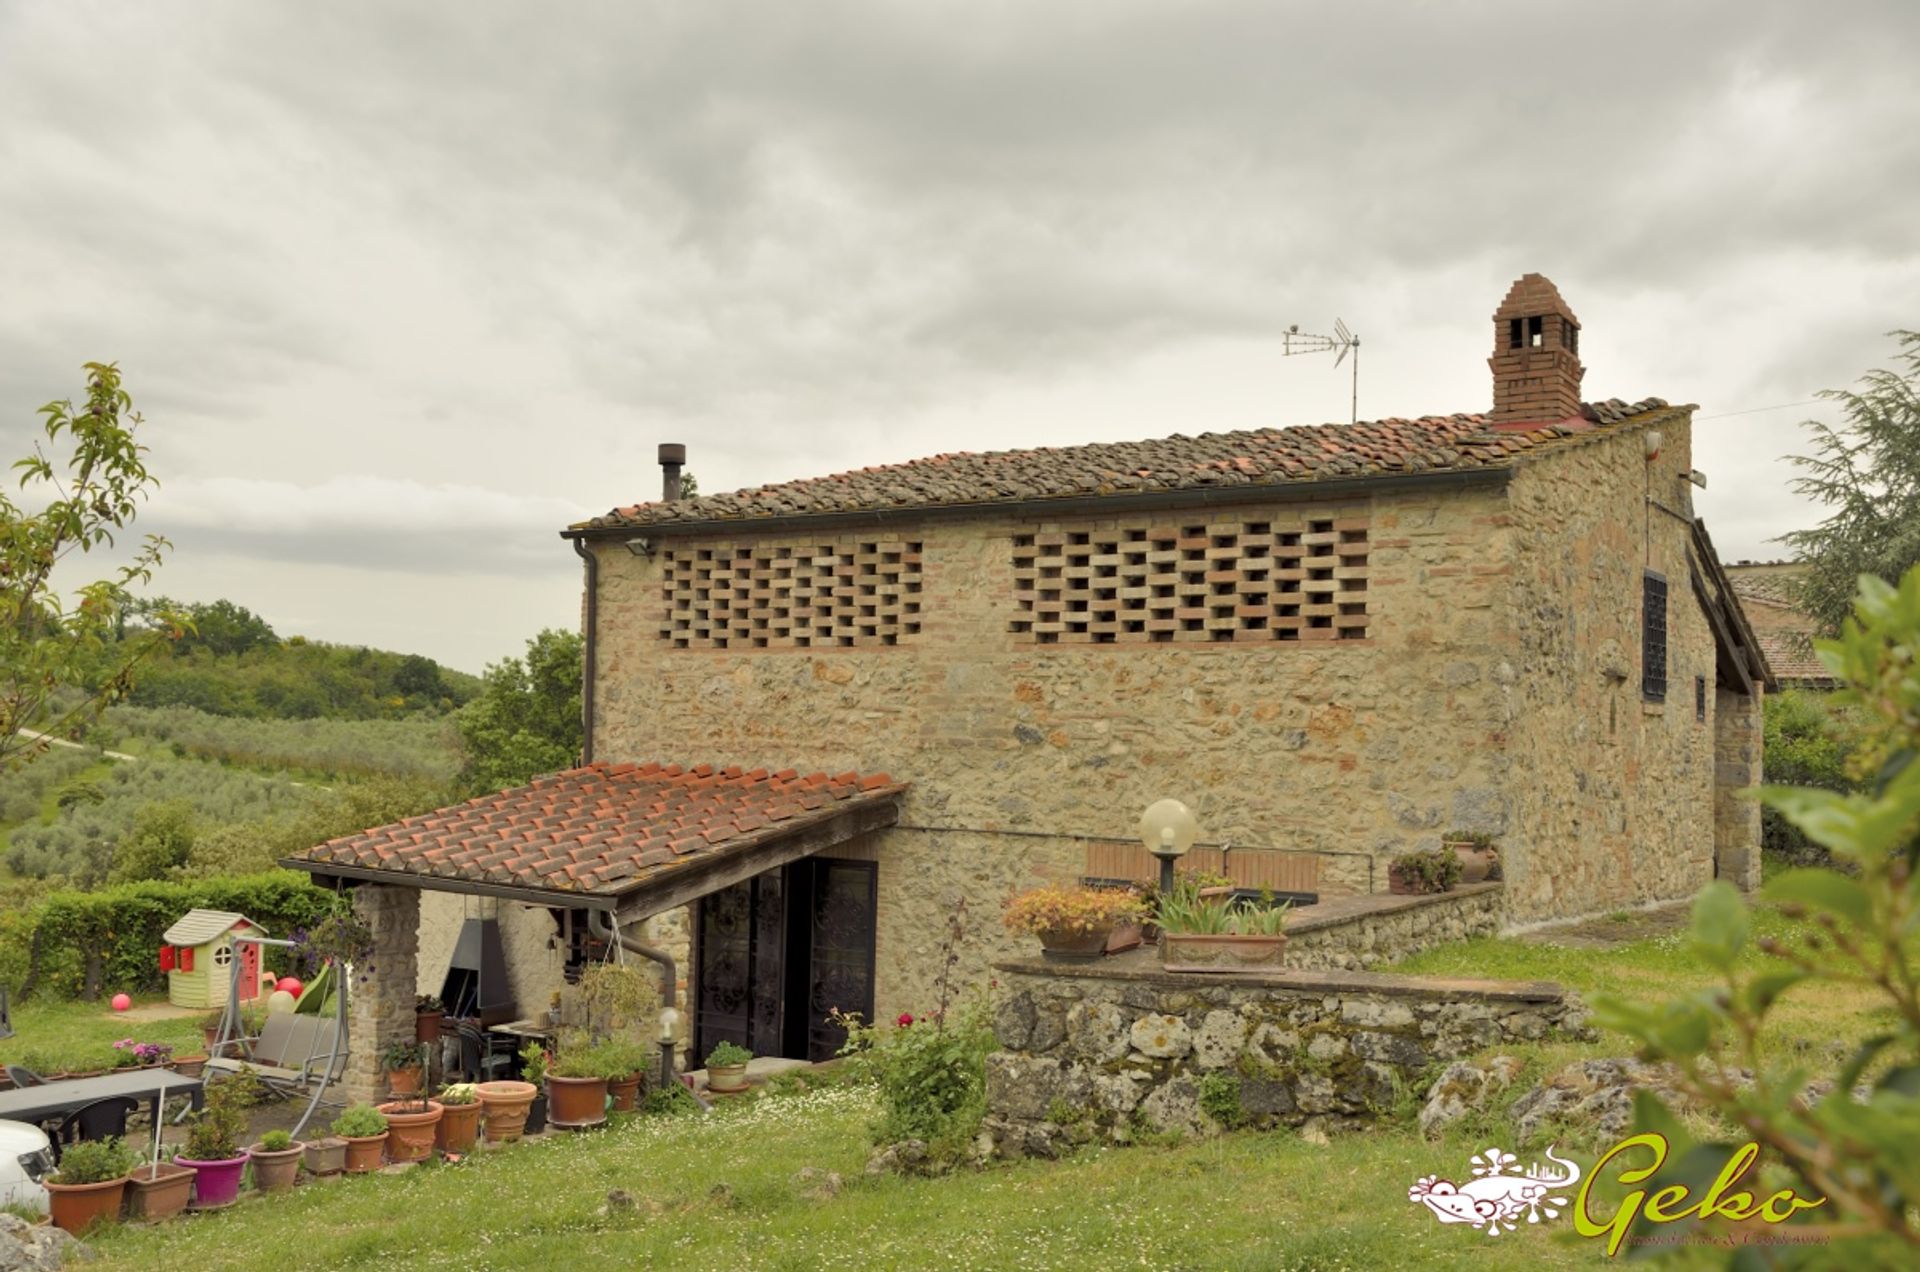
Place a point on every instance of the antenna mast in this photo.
(1341, 342)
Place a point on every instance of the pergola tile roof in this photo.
(603, 829)
(1257, 457)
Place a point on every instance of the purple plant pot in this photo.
(216, 1183)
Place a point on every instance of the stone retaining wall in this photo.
(1111, 1050)
(1358, 932)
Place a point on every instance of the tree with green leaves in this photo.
(526, 719)
(93, 475)
(1868, 472)
(1857, 926)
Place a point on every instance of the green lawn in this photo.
(723, 1190)
(51, 1036)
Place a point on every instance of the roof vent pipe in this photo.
(673, 456)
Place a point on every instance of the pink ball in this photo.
(291, 984)
(121, 1002)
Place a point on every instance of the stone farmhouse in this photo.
(818, 712)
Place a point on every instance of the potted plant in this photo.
(428, 1013)
(158, 1190)
(1426, 871)
(213, 1141)
(505, 1103)
(364, 1128)
(189, 1066)
(405, 1070)
(553, 1009)
(411, 1126)
(1479, 859)
(327, 1155)
(124, 1056)
(727, 1069)
(577, 1087)
(533, 1068)
(276, 1161)
(1199, 932)
(210, 1027)
(1073, 924)
(625, 1063)
(90, 1184)
(459, 1119)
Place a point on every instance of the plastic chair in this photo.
(102, 1119)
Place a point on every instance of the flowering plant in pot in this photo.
(405, 1067)
(412, 1124)
(140, 1055)
(727, 1069)
(1199, 932)
(459, 1122)
(364, 1128)
(90, 1184)
(276, 1161)
(1073, 924)
(213, 1141)
(1427, 871)
(1479, 859)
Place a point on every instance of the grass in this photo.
(50, 1036)
(725, 1189)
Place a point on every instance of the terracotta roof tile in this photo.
(1258, 457)
(602, 828)
(1790, 654)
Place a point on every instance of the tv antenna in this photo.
(1341, 342)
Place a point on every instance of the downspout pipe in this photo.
(607, 930)
(590, 644)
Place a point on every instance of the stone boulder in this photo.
(1464, 1087)
(26, 1247)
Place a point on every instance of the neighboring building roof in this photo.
(603, 829)
(1259, 457)
(1778, 589)
(1790, 654)
(197, 927)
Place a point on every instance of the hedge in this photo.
(79, 943)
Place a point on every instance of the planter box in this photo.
(1125, 936)
(1194, 953)
(327, 1156)
(1075, 947)
(79, 1207)
(158, 1192)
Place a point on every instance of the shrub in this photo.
(94, 1162)
(1429, 870)
(931, 1077)
(360, 1121)
(533, 1063)
(1071, 910)
(728, 1053)
(215, 1131)
(276, 1141)
(1807, 744)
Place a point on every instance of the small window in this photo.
(1536, 333)
(1700, 698)
(1653, 637)
(222, 955)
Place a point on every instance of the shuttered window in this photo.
(1653, 637)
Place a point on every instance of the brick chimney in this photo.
(1536, 356)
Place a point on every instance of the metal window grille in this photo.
(1653, 637)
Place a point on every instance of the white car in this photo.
(26, 1158)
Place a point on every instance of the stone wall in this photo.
(1111, 1050)
(534, 959)
(380, 1002)
(1352, 933)
(1738, 745)
(1613, 802)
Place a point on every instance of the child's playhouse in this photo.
(198, 956)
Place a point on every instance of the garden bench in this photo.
(291, 1053)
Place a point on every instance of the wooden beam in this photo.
(678, 887)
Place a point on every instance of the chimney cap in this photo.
(1532, 295)
(673, 453)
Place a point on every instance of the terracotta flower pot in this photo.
(404, 1081)
(215, 1183)
(1191, 952)
(410, 1129)
(576, 1102)
(625, 1092)
(1476, 864)
(275, 1171)
(189, 1066)
(328, 1156)
(505, 1104)
(365, 1153)
(159, 1191)
(426, 1025)
(211, 1033)
(459, 1127)
(1075, 947)
(726, 1079)
(78, 1207)
(1125, 936)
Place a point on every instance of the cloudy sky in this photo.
(403, 289)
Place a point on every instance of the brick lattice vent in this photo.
(791, 596)
(1239, 582)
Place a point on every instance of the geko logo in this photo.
(1497, 1196)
